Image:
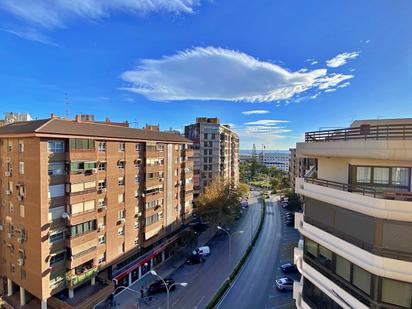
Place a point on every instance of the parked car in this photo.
(289, 268)
(202, 251)
(195, 259)
(284, 284)
(159, 286)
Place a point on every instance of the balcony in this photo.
(154, 168)
(88, 175)
(367, 200)
(154, 153)
(82, 257)
(77, 279)
(386, 142)
(82, 196)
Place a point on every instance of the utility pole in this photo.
(66, 103)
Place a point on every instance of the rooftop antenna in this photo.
(66, 103)
(135, 123)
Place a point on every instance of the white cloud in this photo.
(55, 13)
(332, 80)
(32, 35)
(341, 59)
(330, 90)
(220, 74)
(256, 112)
(266, 122)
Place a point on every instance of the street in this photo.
(206, 278)
(254, 287)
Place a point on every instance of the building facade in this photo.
(10, 117)
(357, 221)
(216, 152)
(87, 204)
(299, 167)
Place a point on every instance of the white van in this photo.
(202, 251)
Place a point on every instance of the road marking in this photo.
(197, 305)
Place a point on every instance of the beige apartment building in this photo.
(216, 152)
(357, 221)
(86, 207)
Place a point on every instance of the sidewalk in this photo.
(164, 270)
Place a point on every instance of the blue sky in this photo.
(273, 69)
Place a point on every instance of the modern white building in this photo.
(268, 158)
(357, 221)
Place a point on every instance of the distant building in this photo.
(298, 167)
(216, 152)
(268, 158)
(11, 117)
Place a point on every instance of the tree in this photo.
(219, 203)
(243, 189)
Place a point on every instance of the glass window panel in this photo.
(381, 175)
(89, 205)
(400, 176)
(342, 268)
(396, 292)
(363, 174)
(311, 248)
(77, 208)
(325, 257)
(361, 279)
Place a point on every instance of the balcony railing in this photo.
(364, 132)
(74, 280)
(363, 190)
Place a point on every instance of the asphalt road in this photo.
(206, 278)
(254, 287)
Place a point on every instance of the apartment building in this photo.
(357, 221)
(216, 152)
(86, 207)
(299, 167)
(10, 117)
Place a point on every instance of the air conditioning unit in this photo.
(20, 262)
(20, 240)
(7, 173)
(143, 195)
(94, 170)
(20, 198)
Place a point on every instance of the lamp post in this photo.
(154, 273)
(230, 242)
(127, 288)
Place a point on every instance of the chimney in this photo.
(107, 120)
(78, 118)
(53, 116)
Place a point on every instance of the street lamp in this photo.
(230, 242)
(154, 273)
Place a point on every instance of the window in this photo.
(205, 136)
(21, 168)
(205, 152)
(56, 213)
(121, 164)
(122, 146)
(83, 186)
(56, 168)
(102, 239)
(137, 179)
(363, 174)
(381, 175)
(21, 146)
(102, 146)
(101, 186)
(101, 203)
(138, 163)
(400, 176)
(396, 292)
(152, 219)
(101, 258)
(55, 146)
(120, 198)
(120, 181)
(81, 144)
(82, 228)
(22, 211)
(82, 207)
(342, 268)
(57, 258)
(56, 191)
(120, 249)
(121, 214)
(361, 279)
(139, 146)
(101, 166)
(311, 248)
(56, 236)
(325, 257)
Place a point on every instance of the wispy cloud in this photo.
(32, 34)
(256, 112)
(47, 15)
(266, 122)
(55, 13)
(220, 74)
(341, 59)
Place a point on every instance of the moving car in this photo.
(202, 251)
(194, 259)
(284, 284)
(289, 268)
(159, 286)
